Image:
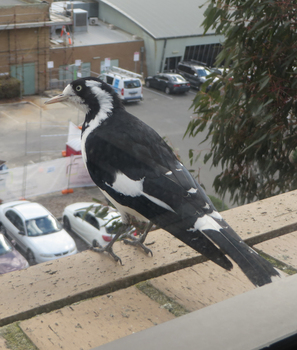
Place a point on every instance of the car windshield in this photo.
(201, 72)
(131, 84)
(42, 226)
(5, 247)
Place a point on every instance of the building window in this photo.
(171, 64)
(203, 53)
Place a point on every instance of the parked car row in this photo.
(40, 237)
(188, 74)
(170, 83)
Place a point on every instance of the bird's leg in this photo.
(139, 242)
(108, 248)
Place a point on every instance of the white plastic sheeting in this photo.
(41, 178)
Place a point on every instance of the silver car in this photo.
(35, 231)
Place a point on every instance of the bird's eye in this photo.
(78, 88)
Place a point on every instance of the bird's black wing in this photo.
(133, 164)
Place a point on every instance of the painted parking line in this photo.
(157, 93)
(9, 117)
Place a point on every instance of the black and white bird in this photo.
(138, 172)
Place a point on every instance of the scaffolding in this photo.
(25, 44)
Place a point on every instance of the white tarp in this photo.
(41, 178)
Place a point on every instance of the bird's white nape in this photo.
(105, 99)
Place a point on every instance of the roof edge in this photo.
(129, 17)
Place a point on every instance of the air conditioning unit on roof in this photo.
(93, 21)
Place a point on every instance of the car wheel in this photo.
(31, 258)
(167, 90)
(66, 223)
(3, 230)
(95, 244)
(147, 84)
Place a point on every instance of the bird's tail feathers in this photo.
(257, 269)
(206, 247)
(198, 241)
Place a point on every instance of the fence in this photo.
(45, 177)
(60, 77)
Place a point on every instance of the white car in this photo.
(127, 84)
(35, 231)
(96, 226)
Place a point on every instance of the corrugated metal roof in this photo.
(163, 18)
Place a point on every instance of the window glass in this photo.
(42, 226)
(18, 223)
(10, 214)
(109, 80)
(131, 84)
(5, 247)
(201, 72)
(177, 78)
(92, 221)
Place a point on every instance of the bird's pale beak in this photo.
(59, 98)
(67, 92)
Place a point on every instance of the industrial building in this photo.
(46, 44)
(171, 30)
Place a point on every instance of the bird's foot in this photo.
(138, 243)
(108, 249)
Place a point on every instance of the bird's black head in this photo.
(89, 94)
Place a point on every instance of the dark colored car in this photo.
(10, 258)
(170, 83)
(194, 72)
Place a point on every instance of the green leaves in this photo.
(250, 112)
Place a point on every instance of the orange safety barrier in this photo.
(69, 190)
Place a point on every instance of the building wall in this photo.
(21, 44)
(123, 52)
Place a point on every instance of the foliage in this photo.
(9, 87)
(250, 111)
(218, 203)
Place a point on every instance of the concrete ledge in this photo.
(49, 286)
(253, 320)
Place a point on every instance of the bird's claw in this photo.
(109, 250)
(139, 243)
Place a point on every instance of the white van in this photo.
(127, 84)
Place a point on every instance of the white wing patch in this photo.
(125, 210)
(215, 214)
(205, 223)
(134, 188)
(158, 202)
(123, 184)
